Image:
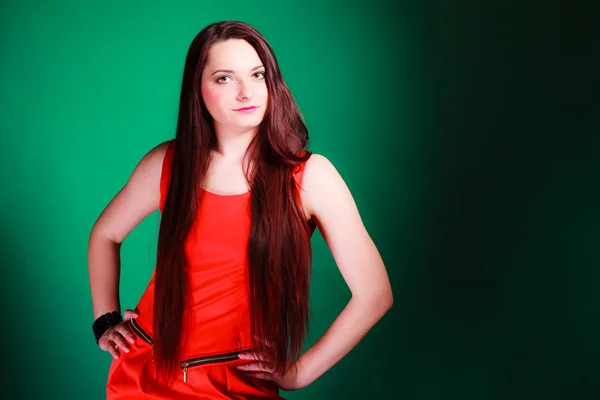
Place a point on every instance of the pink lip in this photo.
(246, 109)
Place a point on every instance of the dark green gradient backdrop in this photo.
(467, 132)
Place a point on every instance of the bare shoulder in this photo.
(152, 161)
(318, 169)
(147, 172)
(323, 186)
(138, 198)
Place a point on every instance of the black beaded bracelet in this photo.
(105, 322)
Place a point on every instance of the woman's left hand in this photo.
(263, 369)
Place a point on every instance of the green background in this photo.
(467, 131)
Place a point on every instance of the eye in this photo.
(261, 73)
(222, 77)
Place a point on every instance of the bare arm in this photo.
(332, 206)
(328, 201)
(135, 201)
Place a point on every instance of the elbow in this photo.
(377, 303)
(385, 300)
(388, 300)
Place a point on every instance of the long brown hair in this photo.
(279, 252)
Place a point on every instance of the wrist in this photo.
(105, 322)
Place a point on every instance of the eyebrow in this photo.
(230, 71)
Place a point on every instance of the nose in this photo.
(245, 92)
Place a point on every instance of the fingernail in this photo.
(115, 356)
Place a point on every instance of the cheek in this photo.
(212, 98)
(264, 92)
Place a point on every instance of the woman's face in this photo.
(234, 78)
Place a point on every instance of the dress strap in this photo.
(165, 177)
(298, 174)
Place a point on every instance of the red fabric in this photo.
(217, 320)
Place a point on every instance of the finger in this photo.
(119, 340)
(130, 314)
(105, 342)
(252, 356)
(260, 367)
(126, 332)
(113, 350)
(260, 375)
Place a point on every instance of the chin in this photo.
(249, 124)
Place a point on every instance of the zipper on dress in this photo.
(194, 362)
(190, 362)
(142, 334)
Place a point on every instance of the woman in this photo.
(225, 313)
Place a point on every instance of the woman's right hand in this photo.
(116, 338)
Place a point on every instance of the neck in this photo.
(232, 143)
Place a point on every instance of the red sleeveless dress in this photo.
(217, 322)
